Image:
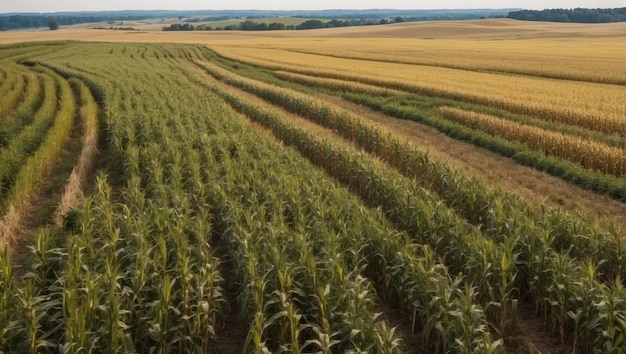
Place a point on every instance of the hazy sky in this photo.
(82, 5)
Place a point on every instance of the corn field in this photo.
(196, 204)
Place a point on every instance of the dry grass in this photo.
(71, 196)
(10, 225)
(78, 178)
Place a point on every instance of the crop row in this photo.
(27, 301)
(299, 286)
(11, 90)
(31, 154)
(86, 161)
(541, 58)
(344, 86)
(494, 211)
(27, 136)
(590, 155)
(534, 97)
(336, 84)
(518, 257)
(11, 125)
(421, 110)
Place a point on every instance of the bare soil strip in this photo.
(530, 335)
(413, 343)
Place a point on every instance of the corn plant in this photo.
(27, 140)
(11, 91)
(7, 301)
(12, 125)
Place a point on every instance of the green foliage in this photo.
(35, 21)
(53, 25)
(179, 27)
(580, 15)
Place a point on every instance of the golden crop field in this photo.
(582, 60)
(559, 100)
(588, 153)
(426, 187)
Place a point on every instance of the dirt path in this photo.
(412, 342)
(530, 335)
(534, 186)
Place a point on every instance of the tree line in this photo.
(36, 21)
(243, 26)
(579, 15)
(249, 25)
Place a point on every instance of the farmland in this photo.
(348, 190)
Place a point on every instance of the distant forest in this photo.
(13, 22)
(249, 25)
(573, 15)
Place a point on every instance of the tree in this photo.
(54, 25)
(572, 15)
(311, 24)
(605, 18)
(276, 26)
